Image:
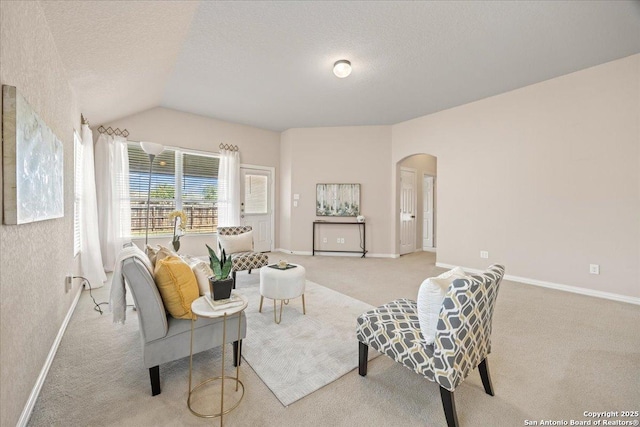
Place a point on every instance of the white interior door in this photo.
(427, 225)
(407, 210)
(256, 207)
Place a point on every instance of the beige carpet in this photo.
(555, 355)
(304, 352)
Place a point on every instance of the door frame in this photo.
(415, 206)
(272, 198)
(431, 248)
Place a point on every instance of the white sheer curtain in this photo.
(90, 253)
(114, 207)
(229, 188)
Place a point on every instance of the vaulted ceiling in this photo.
(268, 64)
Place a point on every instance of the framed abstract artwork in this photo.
(32, 163)
(337, 199)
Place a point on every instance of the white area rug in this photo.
(304, 352)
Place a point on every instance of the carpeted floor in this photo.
(281, 354)
(555, 356)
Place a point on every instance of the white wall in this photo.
(178, 129)
(546, 178)
(286, 197)
(34, 258)
(353, 154)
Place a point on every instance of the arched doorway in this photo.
(416, 203)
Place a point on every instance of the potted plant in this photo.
(220, 283)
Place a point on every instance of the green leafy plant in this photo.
(221, 266)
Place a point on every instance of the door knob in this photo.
(413, 216)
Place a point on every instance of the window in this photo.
(77, 191)
(255, 194)
(180, 180)
(200, 192)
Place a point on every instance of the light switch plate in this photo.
(296, 197)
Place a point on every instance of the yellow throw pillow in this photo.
(177, 285)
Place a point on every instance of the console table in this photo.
(363, 250)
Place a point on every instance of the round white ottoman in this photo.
(282, 285)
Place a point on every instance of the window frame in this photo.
(178, 180)
(78, 187)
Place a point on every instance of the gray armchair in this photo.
(165, 338)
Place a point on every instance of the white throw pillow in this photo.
(430, 297)
(156, 253)
(238, 243)
(202, 272)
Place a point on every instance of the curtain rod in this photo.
(124, 132)
(111, 131)
(229, 147)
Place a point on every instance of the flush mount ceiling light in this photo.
(342, 68)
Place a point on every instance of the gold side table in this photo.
(202, 307)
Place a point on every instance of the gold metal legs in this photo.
(224, 342)
(278, 318)
(274, 312)
(222, 377)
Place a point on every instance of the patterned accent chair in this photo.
(243, 260)
(463, 336)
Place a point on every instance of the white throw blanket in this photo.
(118, 298)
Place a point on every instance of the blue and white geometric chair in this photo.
(462, 339)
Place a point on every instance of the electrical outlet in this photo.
(484, 254)
(295, 203)
(338, 240)
(324, 240)
(342, 240)
(594, 268)
(67, 283)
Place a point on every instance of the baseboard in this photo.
(557, 286)
(342, 254)
(35, 392)
(383, 255)
(287, 251)
(427, 249)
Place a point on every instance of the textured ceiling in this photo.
(268, 64)
(118, 55)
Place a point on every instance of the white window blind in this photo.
(200, 192)
(77, 191)
(255, 194)
(180, 180)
